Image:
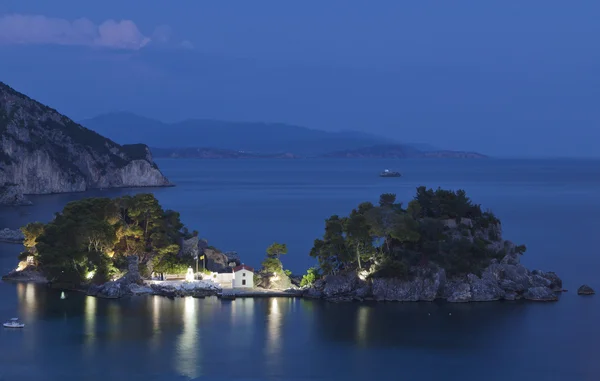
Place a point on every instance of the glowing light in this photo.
(189, 276)
(90, 274)
(22, 266)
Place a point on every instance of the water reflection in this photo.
(362, 324)
(114, 321)
(273, 327)
(242, 320)
(188, 348)
(414, 325)
(90, 322)
(26, 293)
(155, 340)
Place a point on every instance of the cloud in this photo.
(162, 34)
(37, 29)
(186, 44)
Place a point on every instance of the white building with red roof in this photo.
(243, 277)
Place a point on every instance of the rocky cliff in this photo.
(46, 152)
(501, 280)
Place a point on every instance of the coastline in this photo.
(335, 289)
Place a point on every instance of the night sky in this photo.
(503, 78)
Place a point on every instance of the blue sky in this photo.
(504, 78)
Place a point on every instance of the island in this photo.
(440, 246)
(59, 155)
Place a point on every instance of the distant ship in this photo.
(388, 173)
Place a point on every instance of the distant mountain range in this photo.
(402, 151)
(205, 138)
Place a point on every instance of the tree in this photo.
(387, 200)
(358, 235)
(32, 232)
(276, 250)
(391, 241)
(332, 251)
(94, 235)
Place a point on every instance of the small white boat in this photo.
(13, 323)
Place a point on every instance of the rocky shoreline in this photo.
(12, 195)
(501, 280)
(11, 236)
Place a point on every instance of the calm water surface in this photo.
(551, 206)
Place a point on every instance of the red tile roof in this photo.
(242, 267)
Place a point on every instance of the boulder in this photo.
(215, 260)
(457, 291)
(340, 285)
(190, 247)
(274, 281)
(425, 285)
(486, 288)
(540, 294)
(121, 287)
(112, 290)
(585, 290)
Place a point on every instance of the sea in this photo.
(551, 206)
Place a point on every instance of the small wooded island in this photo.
(440, 246)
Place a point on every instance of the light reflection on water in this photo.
(188, 343)
(156, 331)
(26, 293)
(90, 323)
(362, 325)
(278, 338)
(242, 323)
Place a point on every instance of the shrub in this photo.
(312, 274)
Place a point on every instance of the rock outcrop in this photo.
(190, 247)
(585, 290)
(122, 286)
(273, 281)
(27, 274)
(196, 289)
(11, 236)
(504, 280)
(12, 195)
(43, 152)
(215, 260)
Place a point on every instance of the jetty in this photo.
(232, 294)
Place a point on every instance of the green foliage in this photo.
(276, 250)
(32, 232)
(387, 200)
(312, 274)
(272, 265)
(96, 234)
(390, 240)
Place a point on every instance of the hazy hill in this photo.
(401, 151)
(127, 128)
